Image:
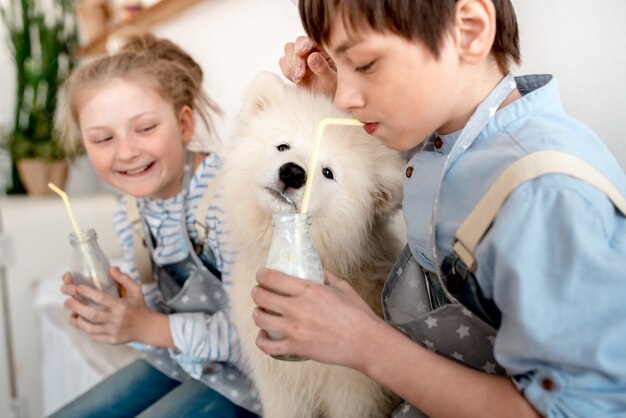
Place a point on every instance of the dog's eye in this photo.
(328, 173)
(283, 147)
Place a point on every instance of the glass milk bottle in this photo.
(90, 266)
(292, 252)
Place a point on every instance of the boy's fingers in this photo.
(304, 45)
(291, 64)
(267, 321)
(269, 346)
(281, 283)
(288, 49)
(319, 65)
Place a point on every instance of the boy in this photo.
(543, 326)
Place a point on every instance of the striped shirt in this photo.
(199, 337)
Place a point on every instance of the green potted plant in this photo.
(42, 41)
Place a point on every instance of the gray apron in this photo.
(194, 285)
(460, 324)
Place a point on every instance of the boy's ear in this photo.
(187, 123)
(475, 29)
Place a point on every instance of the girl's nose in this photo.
(347, 96)
(126, 148)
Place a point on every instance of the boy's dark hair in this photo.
(426, 20)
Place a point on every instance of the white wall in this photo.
(233, 40)
(581, 42)
(584, 44)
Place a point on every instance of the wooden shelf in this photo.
(145, 19)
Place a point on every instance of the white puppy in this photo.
(356, 190)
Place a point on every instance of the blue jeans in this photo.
(140, 390)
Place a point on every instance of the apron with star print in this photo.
(461, 325)
(194, 285)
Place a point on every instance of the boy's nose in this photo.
(347, 97)
(292, 175)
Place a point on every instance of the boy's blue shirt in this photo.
(554, 261)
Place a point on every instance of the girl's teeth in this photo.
(137, 171)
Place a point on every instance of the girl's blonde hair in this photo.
(157, 63)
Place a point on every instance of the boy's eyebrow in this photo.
(343, 47)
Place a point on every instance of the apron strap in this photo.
(203, 207)
(526, 168)
(143, 259)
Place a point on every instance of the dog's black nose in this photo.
(292, 175)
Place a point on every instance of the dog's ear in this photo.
(265, 89)
(388, 192)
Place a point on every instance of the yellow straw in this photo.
(316, 148)
(70, 212)
(78, 233)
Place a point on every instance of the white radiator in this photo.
(34, 243)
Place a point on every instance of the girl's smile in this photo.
(138, 171)
(140, 147)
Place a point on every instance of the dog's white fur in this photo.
(350, 228)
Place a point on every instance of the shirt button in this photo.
(409, 172)
(438, 143)
(548, 384)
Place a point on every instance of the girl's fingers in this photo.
(67, 278)
(105, 339)
(88, 327)
(68, 287)
(96, 296)
(72, 319)
(132, 288)
(91, 314)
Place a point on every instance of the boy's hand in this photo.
(308, 65)
(326, 323)
(115, 320)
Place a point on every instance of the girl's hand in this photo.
(305, 63)
(328, 323)
(115, 320)
(68, 288)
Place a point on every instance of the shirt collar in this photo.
(538, 92)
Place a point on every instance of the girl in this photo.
(134, 112)
(529, 320)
